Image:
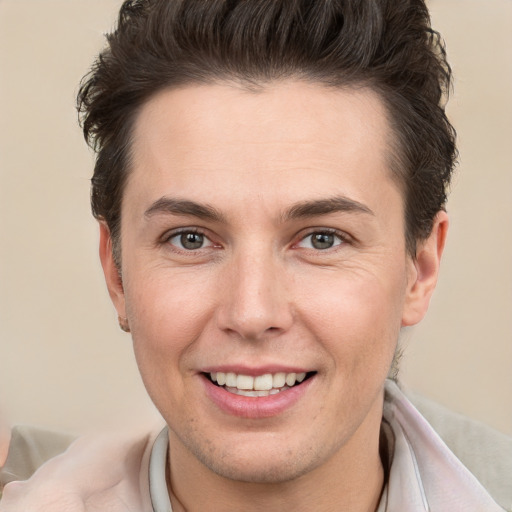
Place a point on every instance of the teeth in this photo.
(279, 380)
(263, 382)
(245, 382)
(262, 385)
(290, 379)
(231, 379)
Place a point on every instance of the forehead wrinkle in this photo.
(325, 206)
(176, 206)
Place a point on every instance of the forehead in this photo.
(294, 136)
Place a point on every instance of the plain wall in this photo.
(64, 363)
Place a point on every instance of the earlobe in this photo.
(110, 270)
(424, 272)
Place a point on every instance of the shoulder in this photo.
(28, 448)
(486, 452)
(96, 473)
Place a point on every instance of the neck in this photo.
(352, 479)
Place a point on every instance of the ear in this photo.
(424, 271)
(111, 272)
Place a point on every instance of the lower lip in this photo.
(255, 407)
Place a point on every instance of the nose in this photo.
(255, 302)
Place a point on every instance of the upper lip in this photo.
(255, 371)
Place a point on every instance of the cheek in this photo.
(165, 303)
(356, 315)
(164, 325)
(167, 315)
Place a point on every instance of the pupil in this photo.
(322, 240)
(191, 240)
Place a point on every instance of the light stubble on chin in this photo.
(278, 468)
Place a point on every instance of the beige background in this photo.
(63, 361)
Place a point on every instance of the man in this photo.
(270, 186)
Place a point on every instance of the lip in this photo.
(254, 372)
(255, 407)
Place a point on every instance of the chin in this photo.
(264, 473)
(270, 466)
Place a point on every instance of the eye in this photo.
(321, 240)
(190, 240)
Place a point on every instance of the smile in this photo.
(259, 386)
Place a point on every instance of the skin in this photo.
(258, 294)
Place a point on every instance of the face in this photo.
(264, 273)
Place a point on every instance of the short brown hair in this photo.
(386, 45)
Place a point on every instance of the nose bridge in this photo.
(255, 302)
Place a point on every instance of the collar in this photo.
(157, 471)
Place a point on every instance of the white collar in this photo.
(157, 471)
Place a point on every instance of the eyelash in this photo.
(185, 231)
(342, 238)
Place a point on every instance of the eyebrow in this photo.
(184, 207)
(301, 210)
(325, 207)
